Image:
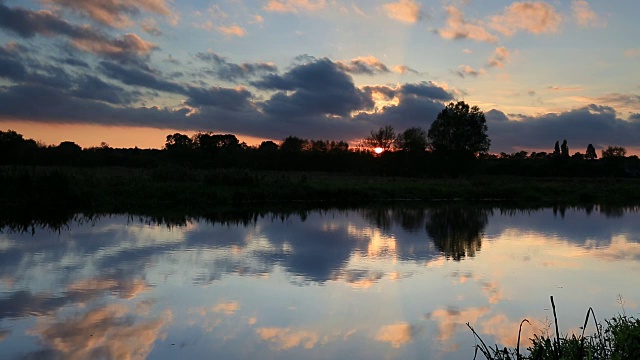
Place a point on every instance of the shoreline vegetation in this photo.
(617, 339)
(209, 170)
(118, 189)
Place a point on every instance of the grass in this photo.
(123, 189)
(618, 339)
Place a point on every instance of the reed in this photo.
(617, 339)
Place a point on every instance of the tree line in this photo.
(456, 144)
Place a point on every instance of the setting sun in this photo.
(378, 150)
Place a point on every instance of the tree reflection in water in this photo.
(456, 230)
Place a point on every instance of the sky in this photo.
(130, 72)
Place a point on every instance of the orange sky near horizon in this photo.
(87, 135)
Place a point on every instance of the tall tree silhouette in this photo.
(564, 149)
(459, 129)
(590, 153)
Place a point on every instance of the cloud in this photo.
(138, 77)
(403, 69)
(409, 105)
(150, 27)
(632, 53)
(128, 45)
(459, 28)
(224, 98)
(564, 88)
(466, 70)
(286, 338)
(500, 57)
(404, 10)
(369, 65)
(11, 64)
(397, 334)
(113, 334)
(452, 319)
(293, 6)
(504, 330)
(28, 23)
(113, 13)
(591, 124)
(621, 102)
(535, 17)
(228, 308)
(232, 30)
(94, 88)
(583, 15)
(224, 70)
(256, 19)
(318, 87)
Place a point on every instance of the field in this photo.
(118, 189)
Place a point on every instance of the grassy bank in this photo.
(114, 189)
(617, 339)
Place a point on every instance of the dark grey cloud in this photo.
(92, 87)
(319, 87)
(28, 23)
(418, 105)
(230, 99)
(135, 76)
(592, 124)
(224, 70)
(11, 65)
(496, 116)
(428, 90)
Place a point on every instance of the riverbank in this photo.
(117, 189)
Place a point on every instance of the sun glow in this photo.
(378, 150)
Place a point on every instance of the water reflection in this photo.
(386, 282)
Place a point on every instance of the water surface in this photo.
(373, 283)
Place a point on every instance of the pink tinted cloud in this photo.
(459, 28)
(113, 13)
(293, 6)
(534, 17)
(404, 10)
(500, 56)
(583, 14)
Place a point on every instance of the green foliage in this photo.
(459, 129)
(619, 340)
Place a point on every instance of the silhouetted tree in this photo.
(383, 138)
(590, 153)
(614, 151)
(179, 142)
(339, 147)
(564, 149)
(210, 142)
(556, 149)
(268, 146)
(412, 140)
(293, 144)
(14, 148)
(459, 129)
